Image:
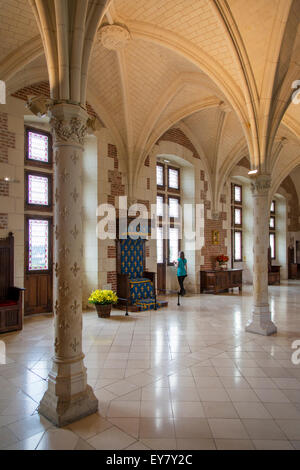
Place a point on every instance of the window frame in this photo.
(174, 219)
(236, 228)
(175, 190)
(162, 187)
(172, 225)
(272, 230)
(50, 244)
(38, 207)
(36, 163)
(274, 234)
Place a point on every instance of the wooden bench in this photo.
(11, 305)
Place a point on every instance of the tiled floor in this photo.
(185, 377)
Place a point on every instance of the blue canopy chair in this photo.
(135, 284)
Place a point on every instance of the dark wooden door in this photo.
(161, 276)
(161, 260)
(38, 265)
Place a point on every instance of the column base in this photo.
(62, 411)
(261, 322)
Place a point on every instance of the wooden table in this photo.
(214, 281)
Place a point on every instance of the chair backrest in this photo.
(132, 257)
(6, 265)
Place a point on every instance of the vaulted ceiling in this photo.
(222, 69)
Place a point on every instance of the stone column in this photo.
(261, 322)
(68, 397)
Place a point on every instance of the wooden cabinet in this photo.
(214, 281)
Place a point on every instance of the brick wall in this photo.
(4, 188)
(7, 139)
(43, 88)
(178, 137)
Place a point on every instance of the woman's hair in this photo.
(181, 254)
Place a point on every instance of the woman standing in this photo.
(181, 264)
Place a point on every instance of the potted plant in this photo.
(222, 261)
(103, 300)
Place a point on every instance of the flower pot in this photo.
(103, 310)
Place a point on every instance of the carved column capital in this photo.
(260, 185)
(69, 124)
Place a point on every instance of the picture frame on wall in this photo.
(215, 236)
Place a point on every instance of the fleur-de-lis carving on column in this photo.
(74, 157)
(75, 269)
(56, 269)
(75, 306)
(74, 232)
(75, 194)
(64, 251)
(74, 345)
(64, 288)
(57, 308)
(65, 212)
(63, 324)
(65, 175)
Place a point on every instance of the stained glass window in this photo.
(38, 190)
(38, 147)
(173, 207)
(173, 176)
(159, 175)
(237, 246)
(272, 222)
(38, 245)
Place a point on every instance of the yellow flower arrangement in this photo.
(103, 297)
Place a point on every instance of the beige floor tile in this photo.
(212, 394)
(29, 426)
(251, 410)
(138, 445)
(263, 429)
(227, 429)
(184, 394)
(261, 382)
(58, 439)
(30, 443)
(121, 388)
(202, 371)
(156, 409)
(271, 396)
(219, 410)
(287, 383)
(7, 437)
(156, 428)
(124, 409)
(235, 382)
(234, 444)
(192, 428)
(196, 444)
(111, 439)
(209, 382)
(129, 425)
(160, 444)
(290, 427)
(272, 444)
(242, 395)
(283, 410)
(89, 426)
(185, 409)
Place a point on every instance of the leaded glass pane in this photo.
(159, 175)
(173, 179)
(38, 147)
(272, 245)
(272, 222)
(173, 244)
(159, 206)
(272, 208)
(237, 193)
(159, 245)
(237, 216)
(38, 245)
(38, 190)
(237, 246)
(173, 207)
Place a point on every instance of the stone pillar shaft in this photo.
(68, 397)
(261, 322)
